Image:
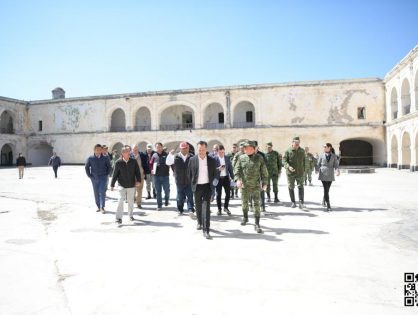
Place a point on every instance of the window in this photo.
(361, 112)
(249, 116)
(40, 125)
(221, 118)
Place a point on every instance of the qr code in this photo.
(410, 289)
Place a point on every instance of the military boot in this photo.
(301, 198)
(292, 198)
(276, 199)
(257, 225)
(244, 219)
(268, 197)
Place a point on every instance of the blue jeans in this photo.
(183, 192)
(162, 182)
(99, 188)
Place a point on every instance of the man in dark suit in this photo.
(202, 172)
(225, 171)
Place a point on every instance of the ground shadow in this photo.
(142, 223)
(243, 235)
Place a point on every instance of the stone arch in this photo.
(416, 91)
(214, 116)
(7, 154)
(142, 119)
(406, 150)
(406, 97)
(39, 153)
(7, 122)
(244, 115)
(394, 151)
(356, 152)
(118, 120)
(142, 145)
(177, 117)
(394, 103)
(211, 143)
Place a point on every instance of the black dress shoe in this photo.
(227, 211)
(199, 226)
(98, 210)
(219, 212)
(293, 205)
(207, 235)
(103, 210)
(131, 218)
(118, 221)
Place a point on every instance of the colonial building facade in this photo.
(348, 113)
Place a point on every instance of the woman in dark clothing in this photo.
(327, 163)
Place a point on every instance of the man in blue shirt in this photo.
(98, 169)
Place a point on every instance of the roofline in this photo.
(8, 99)
(408, 58)
(209, 89)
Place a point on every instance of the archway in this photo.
(6, 123)
(177, 117)
(244, 115)
(406, 151)
(118, 122)
(356, 152)
(118, 148)
(405, 97)
(39, 153)
(394, 103)
(142, 119)
(394, 152)
(214, 116)
(6, 155)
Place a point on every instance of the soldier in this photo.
(236, 157)
(310, 163)
(249, 170)
(234, 190)
(262, 192)
(274, 167)
(294, 163)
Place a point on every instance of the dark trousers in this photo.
(55, 168)
(162, 182)
(226, 185)
(99, 189)
(327, 186)
(183, 192)
(202, 199)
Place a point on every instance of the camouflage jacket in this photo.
(274, 162)
(251, 170)
(310, 162)
(295, 159)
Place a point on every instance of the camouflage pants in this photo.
(275, 180)
(245, 197)
(300, 179)
(308, 175)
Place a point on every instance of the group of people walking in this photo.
(201, 177)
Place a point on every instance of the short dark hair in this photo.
(201, 142)
(98, 146)
(221, 147)
(159, 143)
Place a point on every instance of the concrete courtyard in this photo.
(58, 256)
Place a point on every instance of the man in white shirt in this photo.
(202, 172)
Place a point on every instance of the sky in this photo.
(111, 47)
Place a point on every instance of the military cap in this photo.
(250, 143)
(296, 138)
(270, 144)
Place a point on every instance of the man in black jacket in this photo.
(161, 173)
(180, 161)
(21, 164)
(126, 171)
(226, 173)
(202, 172)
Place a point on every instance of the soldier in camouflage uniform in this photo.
(294, 163)
(250, 170)
(310, 163)
(234, 190)
(274, 168)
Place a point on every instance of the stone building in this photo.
(348, 113)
